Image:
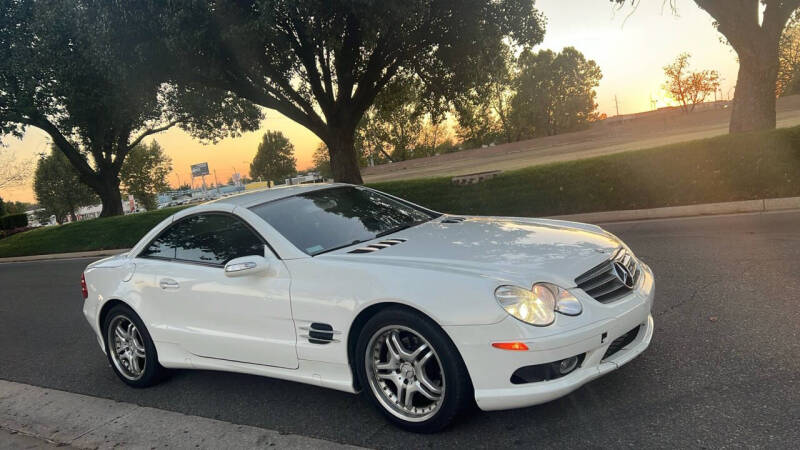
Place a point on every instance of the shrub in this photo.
(13, 221)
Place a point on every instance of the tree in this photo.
(144, 174)
(476, 123)
(322, 162)
(12, 171)
(788, 81)
(434, 139)
(92, 75)
(554, 92)
(58, 187)
(686, 87)
(389, 128)
(274, 159)
(484, 112)
(17, 207)
(755, 40)
(322, 63)
(2, 207)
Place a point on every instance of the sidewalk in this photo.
(35, 417)
(705, 209)
(12, 440)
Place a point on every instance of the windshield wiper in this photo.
(357, 241)
(398, 228)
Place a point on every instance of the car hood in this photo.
(508, 248)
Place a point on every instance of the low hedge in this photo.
(13, 221)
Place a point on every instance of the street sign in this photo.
(198, 170)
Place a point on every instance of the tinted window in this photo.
(206, 238)
(323, 220)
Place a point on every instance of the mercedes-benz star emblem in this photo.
(623, 274)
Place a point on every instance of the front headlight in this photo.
(537, 306)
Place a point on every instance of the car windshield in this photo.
(324, 220)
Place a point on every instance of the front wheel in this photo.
(411, 370)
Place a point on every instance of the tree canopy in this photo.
(92, 75)
(688, 87)
(555, 92)
(536, 94)
(144, 173)
(322, 63)
(58, 187)
(788, 82)
(13, 171)
(274, 159)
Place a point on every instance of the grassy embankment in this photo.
(720, 169)
(725, 168)
(95, 234)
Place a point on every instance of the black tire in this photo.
(457, 392)
(152, 372)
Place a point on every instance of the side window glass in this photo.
(206, 238)
(163, 246)
(215, 239)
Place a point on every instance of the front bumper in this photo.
(589, 334)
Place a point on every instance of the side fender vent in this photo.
(378, 246)
(320, 333)
(453, 219)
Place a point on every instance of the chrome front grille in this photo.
(608, 281)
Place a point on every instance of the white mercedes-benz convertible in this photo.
(348, 288)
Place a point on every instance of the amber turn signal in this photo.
(510, 345)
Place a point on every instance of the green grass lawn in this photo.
(725, 168)
(95, 234)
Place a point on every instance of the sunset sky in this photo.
(631, 57)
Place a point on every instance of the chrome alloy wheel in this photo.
(126, 347)
(405, 373)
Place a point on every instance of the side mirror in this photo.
(246, 265)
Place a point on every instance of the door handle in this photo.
(168, 283)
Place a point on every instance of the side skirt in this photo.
(318, 373)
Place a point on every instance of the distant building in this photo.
(93, 211)
(311, 177)
(34, 218)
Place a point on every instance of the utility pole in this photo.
(616, 104)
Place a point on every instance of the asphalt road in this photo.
(723, 368)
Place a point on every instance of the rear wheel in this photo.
(130, 349)
(411, 370)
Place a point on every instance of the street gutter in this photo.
(59, 418)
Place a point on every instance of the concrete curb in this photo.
(91, 254)
(705, 209)
(80, 421)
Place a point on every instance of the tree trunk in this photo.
(754, 98)
(108, 190)
(344, 161)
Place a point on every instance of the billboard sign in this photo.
(198, 170)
